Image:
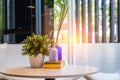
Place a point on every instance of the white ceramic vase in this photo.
(36, 62)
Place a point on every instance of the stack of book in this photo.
(54, 65)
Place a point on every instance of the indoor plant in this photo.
(36, 46)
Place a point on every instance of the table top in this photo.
(67, 71)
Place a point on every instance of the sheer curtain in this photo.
(101, 55)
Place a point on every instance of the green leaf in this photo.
(35, 44)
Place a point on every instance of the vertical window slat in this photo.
(111, 21)
(97, 40)
(77, 12)
(104, 21)
(89, 21)
(83, 21)
(118, 10)
(39, 11)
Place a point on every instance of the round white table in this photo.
(50, 74)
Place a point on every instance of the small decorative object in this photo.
(54, 65)
(59, 48)
(36, 47)
(63, 13)
(53, 57)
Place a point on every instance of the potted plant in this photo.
(36, 47)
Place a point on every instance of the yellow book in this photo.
(54, 65)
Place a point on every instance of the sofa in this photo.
(10, 56)
(104, 56)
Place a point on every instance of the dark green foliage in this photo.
(35, 44)
(49, 3)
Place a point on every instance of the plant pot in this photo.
(36, 62)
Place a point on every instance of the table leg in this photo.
(49, 78)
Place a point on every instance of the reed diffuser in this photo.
(64, 9)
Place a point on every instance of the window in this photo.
(19, 20)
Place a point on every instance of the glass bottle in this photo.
(59, 48)
(53, 56)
